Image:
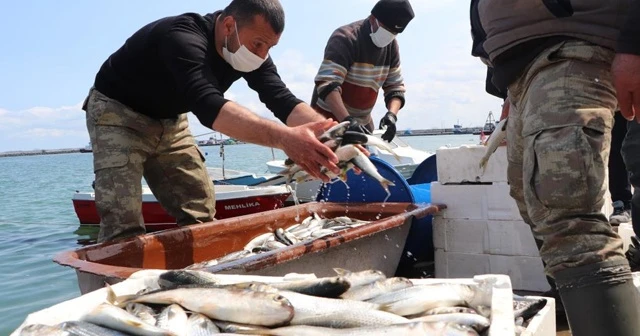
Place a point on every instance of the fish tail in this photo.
(386, 184)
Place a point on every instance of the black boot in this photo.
(633, 254)
(600, 299)
(553, 292)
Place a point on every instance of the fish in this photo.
(317, 310)
(334, 132)
(330, 287)
(369, 291)
(240, 305)
(282, 237)
(172, 279)
(418, 299)
(363, 163)
(404, 329)
(356, 279)
(109, 316)
(495, 139)
(238, 328)
(475, 321)
(37, 329)
(80, 328)
(173, 318)
(144, 313)
(351, 137)
(258, 241)
(200, 325)
(448, 310)
(527, 308)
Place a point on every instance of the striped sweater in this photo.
(355, 67)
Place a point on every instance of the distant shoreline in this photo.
(426, 132)
(43, 152)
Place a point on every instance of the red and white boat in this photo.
(231, 201)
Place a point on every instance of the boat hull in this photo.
(377, 245)
(236, 202)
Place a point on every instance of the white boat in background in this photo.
(410, 158)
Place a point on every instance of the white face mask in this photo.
(242, 60)
(382, 37)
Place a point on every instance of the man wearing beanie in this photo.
(359, 59)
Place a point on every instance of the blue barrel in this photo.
(362, 188)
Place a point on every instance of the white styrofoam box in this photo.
(485, 201)
(544, 322)
(526, 273)
(625, 231)
(512, 238)
(476, 201)
(462, 164)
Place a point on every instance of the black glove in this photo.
(389, 120)
(355, 126)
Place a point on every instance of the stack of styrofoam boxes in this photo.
(481, 230)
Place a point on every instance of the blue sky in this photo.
(51, 51)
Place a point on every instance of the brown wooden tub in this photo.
(377, 245)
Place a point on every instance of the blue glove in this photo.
(389, 121)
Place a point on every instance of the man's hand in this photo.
(505, 109)
(355, 126)
(301, 145)
(626, 79)
(389, 121)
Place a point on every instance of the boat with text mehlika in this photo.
(233, 198)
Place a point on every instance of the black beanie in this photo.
(393, 14)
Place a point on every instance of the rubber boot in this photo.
(553, 293)
(600, 299)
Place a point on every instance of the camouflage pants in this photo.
(558, 135)
(128, 146)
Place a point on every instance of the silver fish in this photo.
(258, 241)
(475, 321)
(281, 237)
(448, 310)
(234, 256)
(200, 325)
(418, 299)
(495, 139)
(274, 245)
(369, 291)
(174, 278)
(322, 233)
(237, 328)
(363, 163)
(144, 313)
(173, 318)
(80, 328)
(404, 329)
(356, 279)
(43, 330)
(240, 305)
(112, 317)
(335, 312)
(371, 140)
(334, 132)
(331, 287)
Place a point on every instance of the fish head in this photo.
(354, 138)
(335, 131)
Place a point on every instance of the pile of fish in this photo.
(343, 143)
(188, 302)
(310, 228)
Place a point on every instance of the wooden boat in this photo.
(377, 245)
